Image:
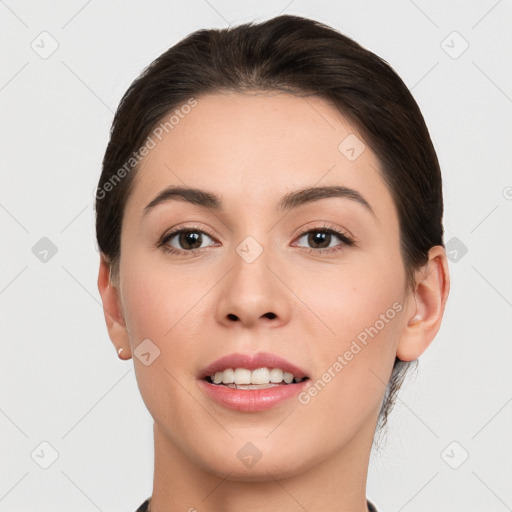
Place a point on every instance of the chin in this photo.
(265, 470)
(262, 460)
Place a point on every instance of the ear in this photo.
(426, 306)
(112, 309)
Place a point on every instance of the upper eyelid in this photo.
(302, 231)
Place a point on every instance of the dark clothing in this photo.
(144, 507)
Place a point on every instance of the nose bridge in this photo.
(250, 272)
(251, 291)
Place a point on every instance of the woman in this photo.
(269, 216)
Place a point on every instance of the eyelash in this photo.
(345, 239)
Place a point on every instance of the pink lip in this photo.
(252, 362)
(251, 400)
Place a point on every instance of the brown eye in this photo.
(189, 239)
(183, 241)
(320, 239)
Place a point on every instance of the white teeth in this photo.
(260, 376)
(228, 376)
(242, 376)
(288, 377)
(276, 375)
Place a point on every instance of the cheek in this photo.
(359, 314)
(345, 301)
(352, 367)
(158, 300)
(162, 307)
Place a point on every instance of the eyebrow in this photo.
(288, 202)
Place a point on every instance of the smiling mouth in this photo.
(233, 385)
(261, 378)
(252, 388)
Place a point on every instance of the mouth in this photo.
(260, 378)
(251, 382)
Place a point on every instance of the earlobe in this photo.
(427, 306)
(121, 355)
(112, 310)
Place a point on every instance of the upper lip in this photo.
(252, 362)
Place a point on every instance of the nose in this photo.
(253, 293)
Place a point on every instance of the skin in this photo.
(251, 149)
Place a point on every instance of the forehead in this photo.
(252, 148)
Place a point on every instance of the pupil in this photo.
(190, 236)
(318, 238)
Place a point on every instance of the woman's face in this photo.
(253, 276)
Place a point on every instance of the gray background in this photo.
(61, 380)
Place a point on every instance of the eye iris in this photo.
(318, 237)
(190, 236)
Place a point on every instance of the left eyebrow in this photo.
(289, 201)
(308, 195)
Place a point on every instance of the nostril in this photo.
(270, 315)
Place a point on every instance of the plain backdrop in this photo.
(68, 403)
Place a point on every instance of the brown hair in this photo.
(302, 57)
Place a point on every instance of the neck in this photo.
(336, 483)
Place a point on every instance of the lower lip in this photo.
(251, 400)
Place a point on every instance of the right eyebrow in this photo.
(190, 195)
